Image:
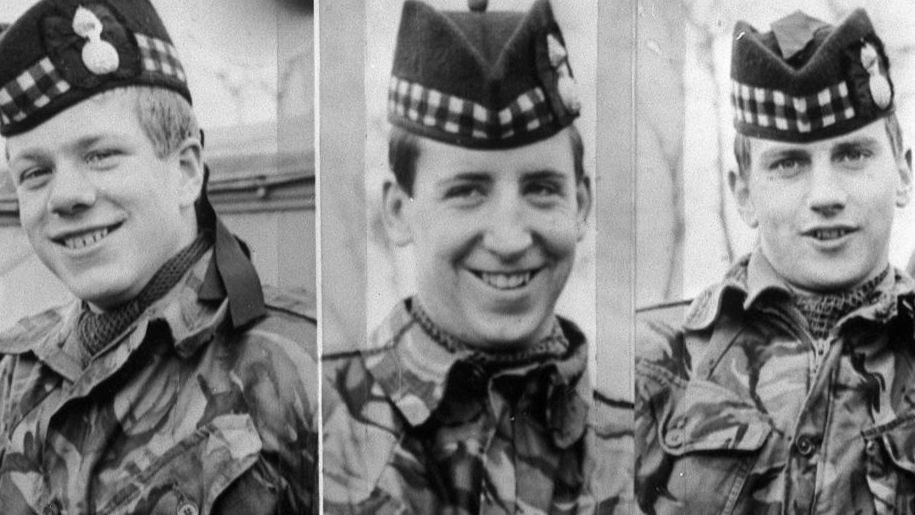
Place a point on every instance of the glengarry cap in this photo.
(61, 52)
(807, 80)
(481, 79)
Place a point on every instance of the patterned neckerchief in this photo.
(553, 346)
(96, 330)
(822, 312)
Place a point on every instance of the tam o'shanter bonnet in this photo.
(807, 80)
(481, 79)
(61, 52)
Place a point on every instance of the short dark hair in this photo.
(742, 148)
(403, 152)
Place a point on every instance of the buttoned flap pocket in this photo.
(709, 417)
(890, 464)
(188, 477)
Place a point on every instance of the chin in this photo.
(99, 289)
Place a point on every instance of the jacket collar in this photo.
(412, 369)
(51, 336)
(752, 279)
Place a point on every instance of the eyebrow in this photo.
(37, 154)
(467, 176)
(776, 154)
(855, 144)
(544, 174)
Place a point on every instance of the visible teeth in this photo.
(829, 234)
(506, 281)
(84, 240)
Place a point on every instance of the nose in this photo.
(508, 234)
(827, 195)
(71, 191)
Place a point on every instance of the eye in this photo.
(788, 166)
(854, 156)
(543, 188)
(33, 177)
(102, 158)
(465, 192)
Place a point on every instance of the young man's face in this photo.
(100, 209)
(494, 234)
(825, 209)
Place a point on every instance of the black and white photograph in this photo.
(471, 380)
(774, 340)
(158, 323)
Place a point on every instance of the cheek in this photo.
(31, 209)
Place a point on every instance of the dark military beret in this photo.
(481, 79)
(807, 80)
(61, 52)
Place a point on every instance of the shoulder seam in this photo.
(346, 354)
(664, 304)
(299, 314)
(616, 403)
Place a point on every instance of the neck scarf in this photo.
(822, 312)
(96, 330)
(554, 345)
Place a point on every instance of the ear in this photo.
(904, 190)
(395, 213)
(189, 160)
(740, 188)
(584, 199)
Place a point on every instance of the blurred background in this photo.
(688, 229)
(250, 66)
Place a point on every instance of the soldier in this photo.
(175, 383)
(473, 396)
(788, 387)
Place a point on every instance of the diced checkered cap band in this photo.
(31, 90)
(160, 57)
(454, 115)
(42, 83)
(774, 109)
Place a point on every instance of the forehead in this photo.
(111, 113)
(873, 133)
(442, 160)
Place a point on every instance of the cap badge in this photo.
(99, 56)
(566, 86)
(879, 86)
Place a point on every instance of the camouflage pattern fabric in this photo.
(410, 427)
(740, 410)
(177, 415)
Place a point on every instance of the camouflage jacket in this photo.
(740, 410)
(178, 415)
(400, 418)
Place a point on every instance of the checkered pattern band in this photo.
(775, 109)
(30, 91)
(160, 57)
(454, 115)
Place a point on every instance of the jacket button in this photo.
(805, 445)
(870, 447)
(187, 508)
(674, 437)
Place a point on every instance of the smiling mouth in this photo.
(85, 239)
(503, 281)
(829, 234)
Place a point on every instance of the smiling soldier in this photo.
(472, 396)
(175, 383)
(788, 387)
